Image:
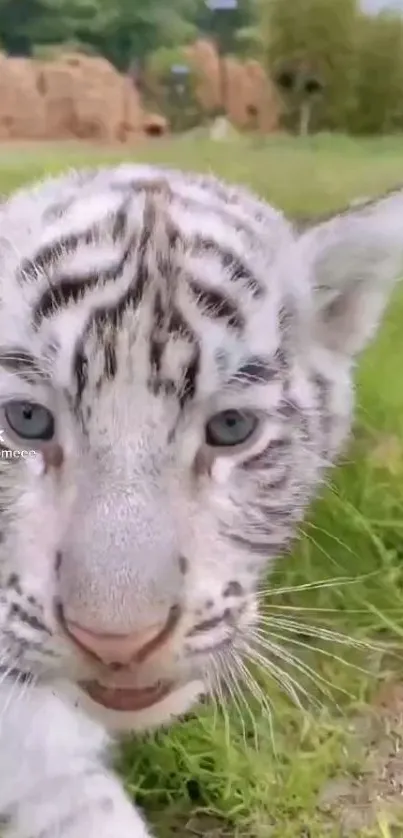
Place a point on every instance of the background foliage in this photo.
(358, 58)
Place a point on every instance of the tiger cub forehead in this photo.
(152, 259)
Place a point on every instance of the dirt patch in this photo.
(71, 97)
(374, 790)
(196, 826)
(22, 107)
(87, 98)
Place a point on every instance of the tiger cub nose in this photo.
(123, 649)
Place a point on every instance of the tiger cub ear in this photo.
(355, 260)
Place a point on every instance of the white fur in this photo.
(130, 497)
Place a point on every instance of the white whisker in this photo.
(324, 652)
(259, 695)
(237, 687)
(294, 626)
(222, 705)
(283, 679)
(229, 683)
(285, 654)
(310, 586)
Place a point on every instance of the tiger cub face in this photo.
(175, 375)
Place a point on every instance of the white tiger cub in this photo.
(175, 374)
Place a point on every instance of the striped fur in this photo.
(135, 304)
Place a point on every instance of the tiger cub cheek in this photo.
(221, 470)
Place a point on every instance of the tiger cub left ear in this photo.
(355, 260)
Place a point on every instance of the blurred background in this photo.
(112, 70)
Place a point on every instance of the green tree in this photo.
(119, 29)
(226, 26)
(24, 23)
(17, 19)
(134, 29)
(380, 76)
(320, 37)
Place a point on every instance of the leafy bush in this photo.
(50, 52)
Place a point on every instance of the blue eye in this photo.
(29, 420)
(231, 427)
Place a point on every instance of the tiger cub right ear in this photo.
(355, 260)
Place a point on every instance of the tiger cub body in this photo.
(176, 367)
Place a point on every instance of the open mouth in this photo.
(127, 699)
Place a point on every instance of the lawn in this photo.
(334, 768)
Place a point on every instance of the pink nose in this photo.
(123, 648)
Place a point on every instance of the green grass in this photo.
(205, 776)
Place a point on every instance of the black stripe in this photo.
(256, 371)
(260, 548)
(158, 385)
(20, 361)
(112, 314)
(157, 336)
(286, 317)
(236, 268)
(156, 350)
(281, 359)
(271, 456)
(110, 365)
(177, 325)
(159, 186)
(217, 306)
(70, 289)
(80, 372)
(158, 310)
(16, 674)
(119, 227)
(188, 388)
(277, 483)
(59, 296)
(206, 625)
(49, 255)
(13, 581)
(31, 620)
